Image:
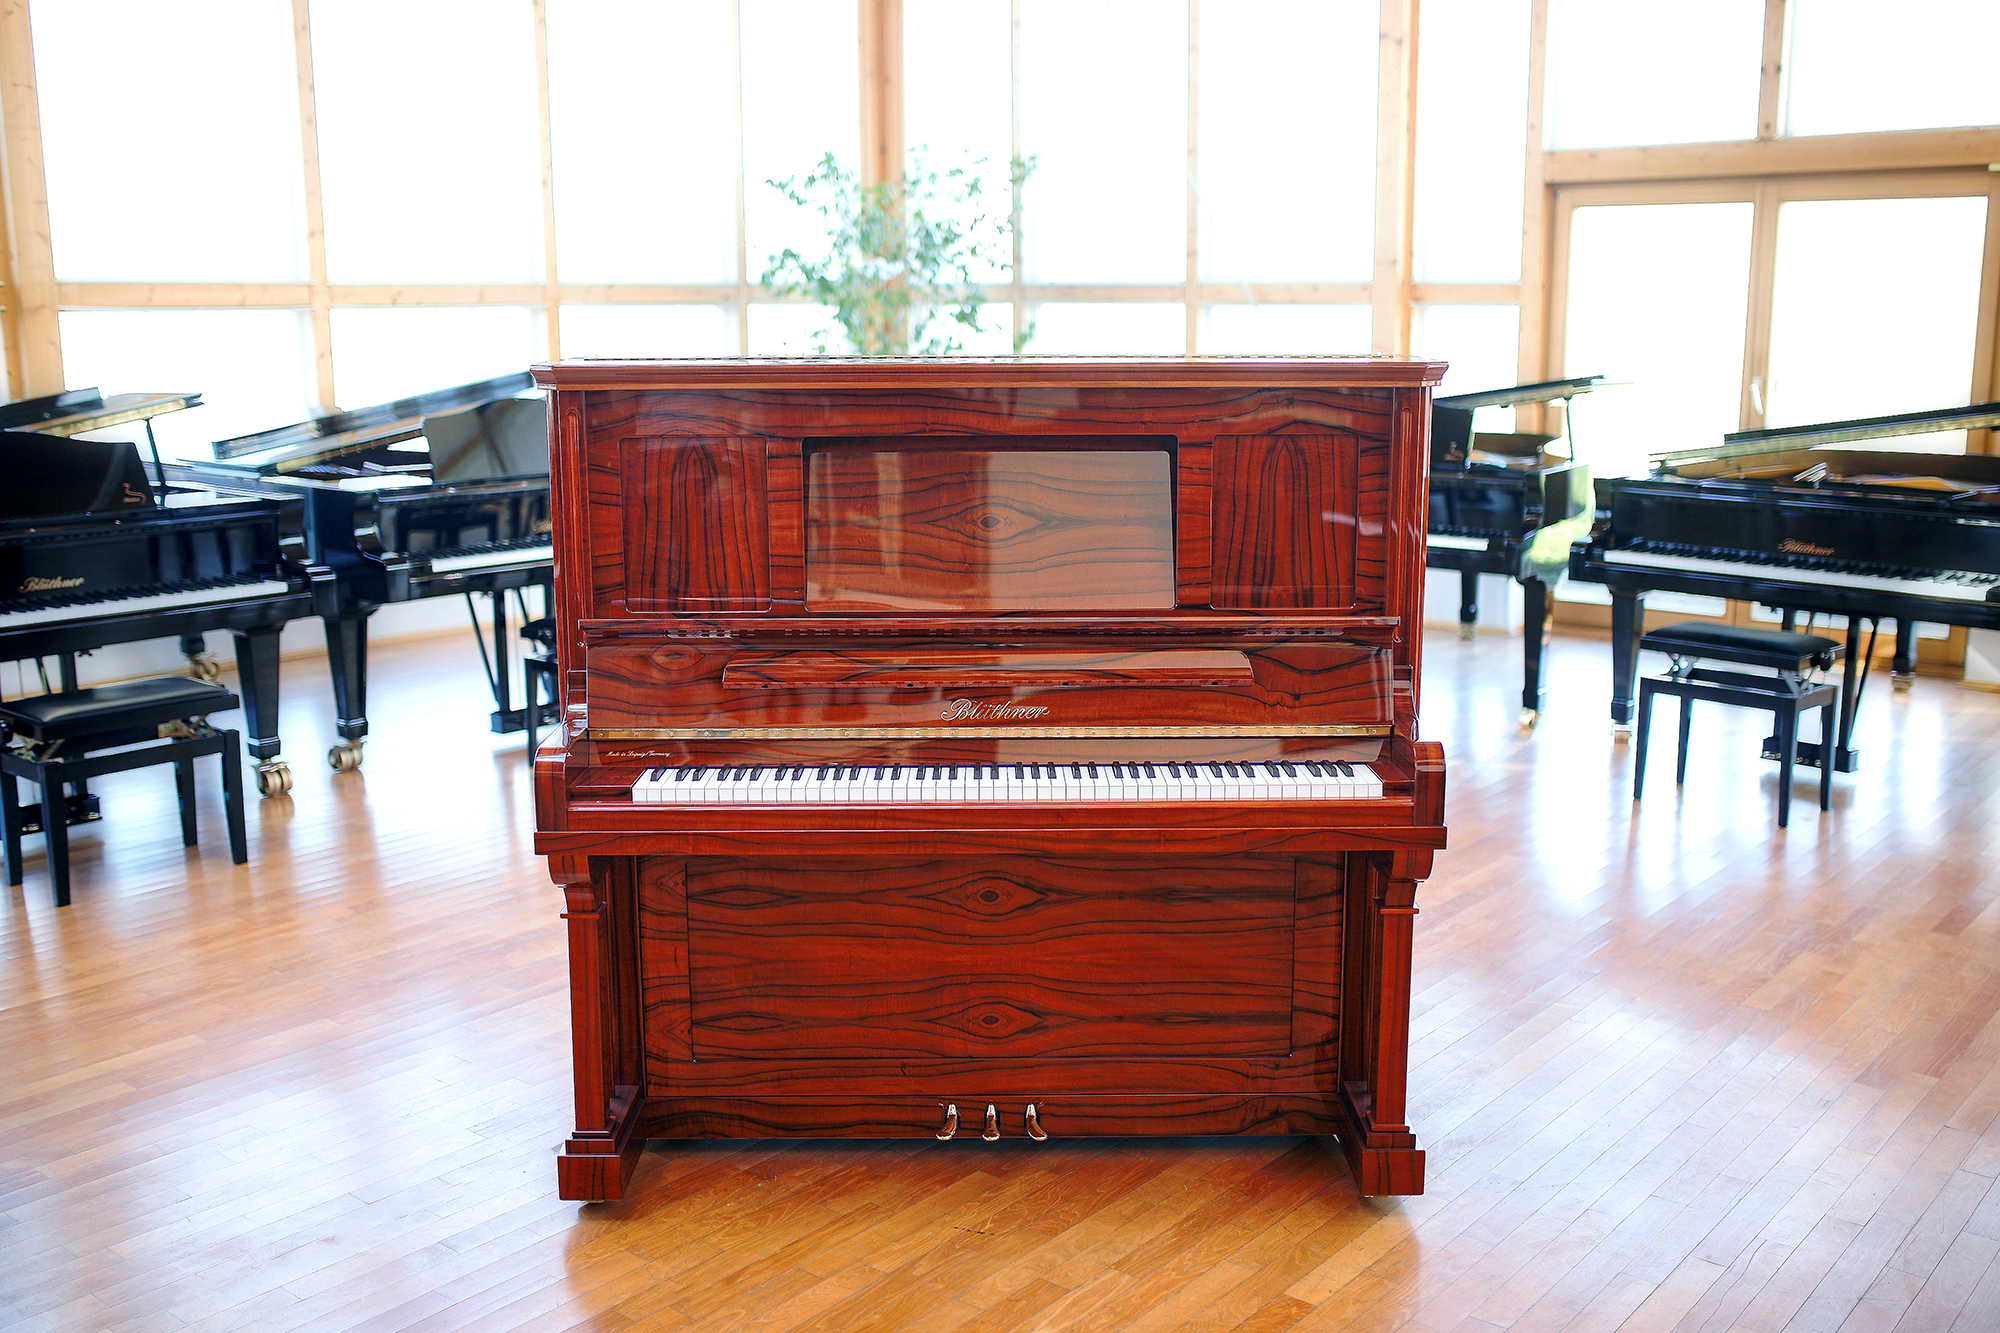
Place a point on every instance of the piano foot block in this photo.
(1467, 633)
(344, 758)
(1902, 681)
(274, 778)
(1621, 732)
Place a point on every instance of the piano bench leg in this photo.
(1646, 693)
(10, 826)
(1681, 758)
(184, 791)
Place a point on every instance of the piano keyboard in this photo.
(1955, 587)
(501, 555)
(906, 784)
(87, 606)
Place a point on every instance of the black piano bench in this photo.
(1785, 694)
(61, 730)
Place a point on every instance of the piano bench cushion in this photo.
(1740, 643)
(105, 708)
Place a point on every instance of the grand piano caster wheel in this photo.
(1466, 634)
(274, 778)
(203, 666)
(1902, 681)
(344, 758)
(1528, 718)
(1621, 733)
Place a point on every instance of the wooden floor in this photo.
(1675, 1070)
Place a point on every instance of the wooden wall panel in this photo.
(1273, 548)
(694, 515)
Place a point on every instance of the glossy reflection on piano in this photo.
(1507, 504)
(1797, 519)
(95, 551)
(1028, 738)
(431, 496)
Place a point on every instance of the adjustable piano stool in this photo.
(60, 731)
(1785, 694)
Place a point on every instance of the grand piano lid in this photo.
(1752, 442)
(65, 477)
(290, 448)
(1542, 391)
(74, 411)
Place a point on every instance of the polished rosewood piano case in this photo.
(988, 562)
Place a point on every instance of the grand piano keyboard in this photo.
(902, 784)
(60, 608)
(1816, 573)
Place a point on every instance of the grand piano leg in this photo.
(1468, 602)
(1628, 621)
(1534, 648)
(257, 680)
(505, 718)
(347, 655)
(1903, 667)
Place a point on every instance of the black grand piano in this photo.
(1794, 519)
(95, 551)
(431, 496)
(1506, 505)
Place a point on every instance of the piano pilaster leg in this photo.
(1381, 1150)
(1903, 667)
(347, 655)
(257, 683)
(1468, 602)
(597, 1160)
(1628, 621)
(1534, 648)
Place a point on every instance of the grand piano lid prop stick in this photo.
(1797, 519)
(1029, 734)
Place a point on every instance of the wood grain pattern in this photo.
(982, 525)
(1285, 522)
(695, 523)
(1011, 958)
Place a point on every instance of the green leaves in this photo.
(904, 258)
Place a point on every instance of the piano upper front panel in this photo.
(1286, 514)
(701, 543)
(1001, 501)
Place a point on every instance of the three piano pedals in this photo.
(1031, 1122)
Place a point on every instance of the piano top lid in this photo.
(993, 372)
(74, 411)
(1542, 391)
(1751, 442)
(290, 448)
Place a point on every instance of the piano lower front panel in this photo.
(1186, 991)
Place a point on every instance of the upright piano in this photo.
(1506, 504)
(1012, 747)
(95, 551)
(431, 496)
(1795, 519)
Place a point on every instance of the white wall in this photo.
(1500, 602)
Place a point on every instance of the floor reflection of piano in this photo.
(94, 552)
(431, 496)
(1785, 518)
(1503, 504)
